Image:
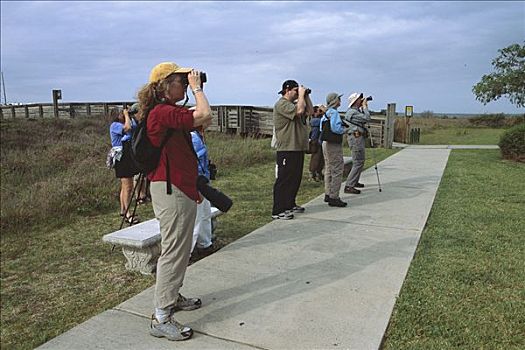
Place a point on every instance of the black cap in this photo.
(287, 85)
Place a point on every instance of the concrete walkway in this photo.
(326, 280)
(404, 145)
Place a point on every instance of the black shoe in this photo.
(298, 209)
(351, 190)
(337, 203)
(359, 185)
(204, 252)
(326, 198)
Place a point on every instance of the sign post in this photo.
(409, 110)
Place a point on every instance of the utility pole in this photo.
(3, 86)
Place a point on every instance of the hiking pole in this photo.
(374, 159)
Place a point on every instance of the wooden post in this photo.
(41, 111)
(241, 121)
(106, 108)
(389, 125)
(88, 109)
(26, 109)
(57, 95)
(13, 112)
(71, 111)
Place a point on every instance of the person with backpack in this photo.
(173, 185)
(315, 144)
(332, 131)
(120, 132)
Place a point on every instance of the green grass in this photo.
(461, 136)
(58, 200)
(465, 288)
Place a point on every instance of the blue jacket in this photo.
(117, 134)
(335, 121)
(202, 153)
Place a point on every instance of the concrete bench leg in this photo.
(142, 260)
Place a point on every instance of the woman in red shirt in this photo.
(176, 173)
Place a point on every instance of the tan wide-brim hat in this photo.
(353, 97)
(162, 70)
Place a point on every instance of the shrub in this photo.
(490, 120)
(511, 121)
(512, 143)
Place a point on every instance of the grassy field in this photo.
(465, 288)
(459, 131)
(462, 136)
(58, 200)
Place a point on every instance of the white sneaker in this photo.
(283, 216)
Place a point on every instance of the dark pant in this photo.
(317, 161)
(289, 176)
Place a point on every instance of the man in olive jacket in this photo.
(291, 131)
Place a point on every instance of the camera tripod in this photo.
(135, 194)
(374, 159)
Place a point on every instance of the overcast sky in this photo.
(425, 54)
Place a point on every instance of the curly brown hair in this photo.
(153, 94)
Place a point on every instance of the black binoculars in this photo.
(202, 75)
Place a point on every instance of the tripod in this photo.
(136, 190)
(374, 160)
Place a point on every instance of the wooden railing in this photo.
(65, 110)
(243, 120)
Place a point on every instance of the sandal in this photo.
(132, 220)
(142, 200)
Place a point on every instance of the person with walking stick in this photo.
(357, 116)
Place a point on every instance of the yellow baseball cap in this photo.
(162, 70)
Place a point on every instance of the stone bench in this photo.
(141, 243)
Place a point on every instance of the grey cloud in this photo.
(402, 51)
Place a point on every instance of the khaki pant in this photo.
(333, 170)
(357, 144)
(176, 215)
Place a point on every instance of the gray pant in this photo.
(176, 215)
(333, 169)
(357, 144)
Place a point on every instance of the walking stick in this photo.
(374, 159)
